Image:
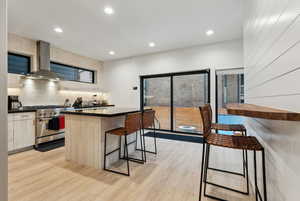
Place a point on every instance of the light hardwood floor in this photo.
(173, 175)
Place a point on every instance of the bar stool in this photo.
(227, 127)
(148, 121)
(228, 141)
(132, 125)
(235, 128)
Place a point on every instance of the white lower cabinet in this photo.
(10, 135)
(21, 130)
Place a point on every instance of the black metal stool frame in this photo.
(155, 140)
(245, 173)
(126, 154)
(204, 169)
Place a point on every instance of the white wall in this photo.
(36, 92)
(272, 61)
(121, 75)
(3, 102)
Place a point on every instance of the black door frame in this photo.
(171, 75)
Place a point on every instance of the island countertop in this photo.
(103, 112)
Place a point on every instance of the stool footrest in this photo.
(134, 160)
(151, 152)
(113, 171)
(213, 197)
(112, 152)
(226, 171)
(227, 188)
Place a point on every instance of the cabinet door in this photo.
(29, 137)
(10, 135)
(24, 133)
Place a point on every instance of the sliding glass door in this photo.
(157, 96)
(190, 91)
(176, 97)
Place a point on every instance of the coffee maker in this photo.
(14, 103)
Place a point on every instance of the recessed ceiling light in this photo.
(109, 10)
(112, 53)
(58, 30)
(151, 44)
(210, 32)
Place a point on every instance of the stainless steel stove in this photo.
(44, 116)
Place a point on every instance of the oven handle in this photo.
(49, 118)
(45, 119)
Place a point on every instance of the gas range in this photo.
(45, 116)
(46, 111)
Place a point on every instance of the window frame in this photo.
(77, 68)
(20, 55)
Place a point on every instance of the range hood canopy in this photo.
(44, 72)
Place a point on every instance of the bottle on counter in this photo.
(77, 103)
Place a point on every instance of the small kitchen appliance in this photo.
(14, 103)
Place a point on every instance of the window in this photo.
(18, 64)
(72, 73)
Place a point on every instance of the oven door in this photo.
(43, 134)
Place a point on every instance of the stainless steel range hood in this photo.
(44, 71)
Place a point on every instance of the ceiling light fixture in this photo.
(151, 44)
(112, 53)
(210, 32)
(109, 10)
(58, 30)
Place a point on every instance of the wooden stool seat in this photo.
(234, 142)
(121, 131)
(228, 127)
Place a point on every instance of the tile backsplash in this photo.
(43, 92)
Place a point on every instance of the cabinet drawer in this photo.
(24, 116)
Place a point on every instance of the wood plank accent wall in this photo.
(272, 72)
(3, 103)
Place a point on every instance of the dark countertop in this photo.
(102, 112)
(95, 106)
(21, 110)
(31, 109)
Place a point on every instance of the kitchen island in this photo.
(84, 134)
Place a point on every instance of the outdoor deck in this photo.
(187, 116)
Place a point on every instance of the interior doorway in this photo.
(176, 98)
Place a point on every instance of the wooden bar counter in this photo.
(84, 134)
(256, 111)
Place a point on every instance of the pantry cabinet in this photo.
(21, 130)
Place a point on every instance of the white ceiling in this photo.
(88, 31)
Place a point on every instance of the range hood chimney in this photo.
(43, 56)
